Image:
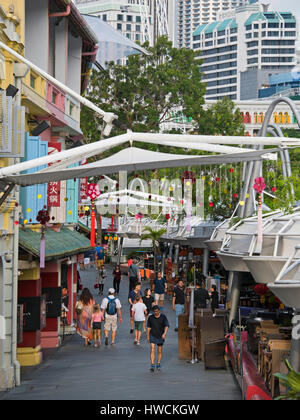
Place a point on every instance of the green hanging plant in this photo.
(291, 381)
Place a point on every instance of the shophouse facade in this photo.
(54, 36)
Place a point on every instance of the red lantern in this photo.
(211, 204)
(93, 192)
(168, 217)
(274, 189)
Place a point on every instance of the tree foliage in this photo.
(143, 92)
(221, 119)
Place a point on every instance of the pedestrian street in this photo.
(75, 372)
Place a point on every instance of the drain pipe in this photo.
(61, 14)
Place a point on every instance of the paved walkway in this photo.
(122, 373)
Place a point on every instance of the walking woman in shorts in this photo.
(97, 318)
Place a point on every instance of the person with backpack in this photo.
(111, 308)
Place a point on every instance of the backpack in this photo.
(111, 308)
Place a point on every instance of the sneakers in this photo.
(106, 341)
(138, 343)
(152, 369)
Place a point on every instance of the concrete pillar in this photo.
(176, 253)
(120, 249)
(171, 249)
(230, 281)
(205, 261)
(235, 297)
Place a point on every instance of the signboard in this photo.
(53, 301)
(34, 313)
(53, 193)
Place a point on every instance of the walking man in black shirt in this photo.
(157, 328)
(178, 301)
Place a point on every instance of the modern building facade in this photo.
(249, 43)
(122, 15)
(192, 13)
(138, 20)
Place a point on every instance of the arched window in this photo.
(287, 118)
(280, 118)
(262, 117)
(248, 118)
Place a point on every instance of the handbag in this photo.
(96, 286)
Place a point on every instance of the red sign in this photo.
(83, 189)
(53, 192)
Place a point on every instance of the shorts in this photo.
(158, 297)
(157, 341)
(97, 325)
(138, 325)
(111, 322)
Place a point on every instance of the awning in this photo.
(65, 243)
(113, 45)
(136, 243)
(134, 159)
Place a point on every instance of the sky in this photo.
(285, 6)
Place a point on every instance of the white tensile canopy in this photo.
(132, 159)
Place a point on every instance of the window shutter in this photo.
(72, 195)
(12, 127)
(18, 133)
(34, 148)
(5, 123)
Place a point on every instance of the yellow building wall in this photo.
(19, 12)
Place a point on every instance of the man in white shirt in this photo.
(111, 308)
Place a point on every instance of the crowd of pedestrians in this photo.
(145, 309)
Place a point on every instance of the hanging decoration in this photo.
(259, 187)
(138, 218)
(93, 192)
(43, 218)
(167, 219)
